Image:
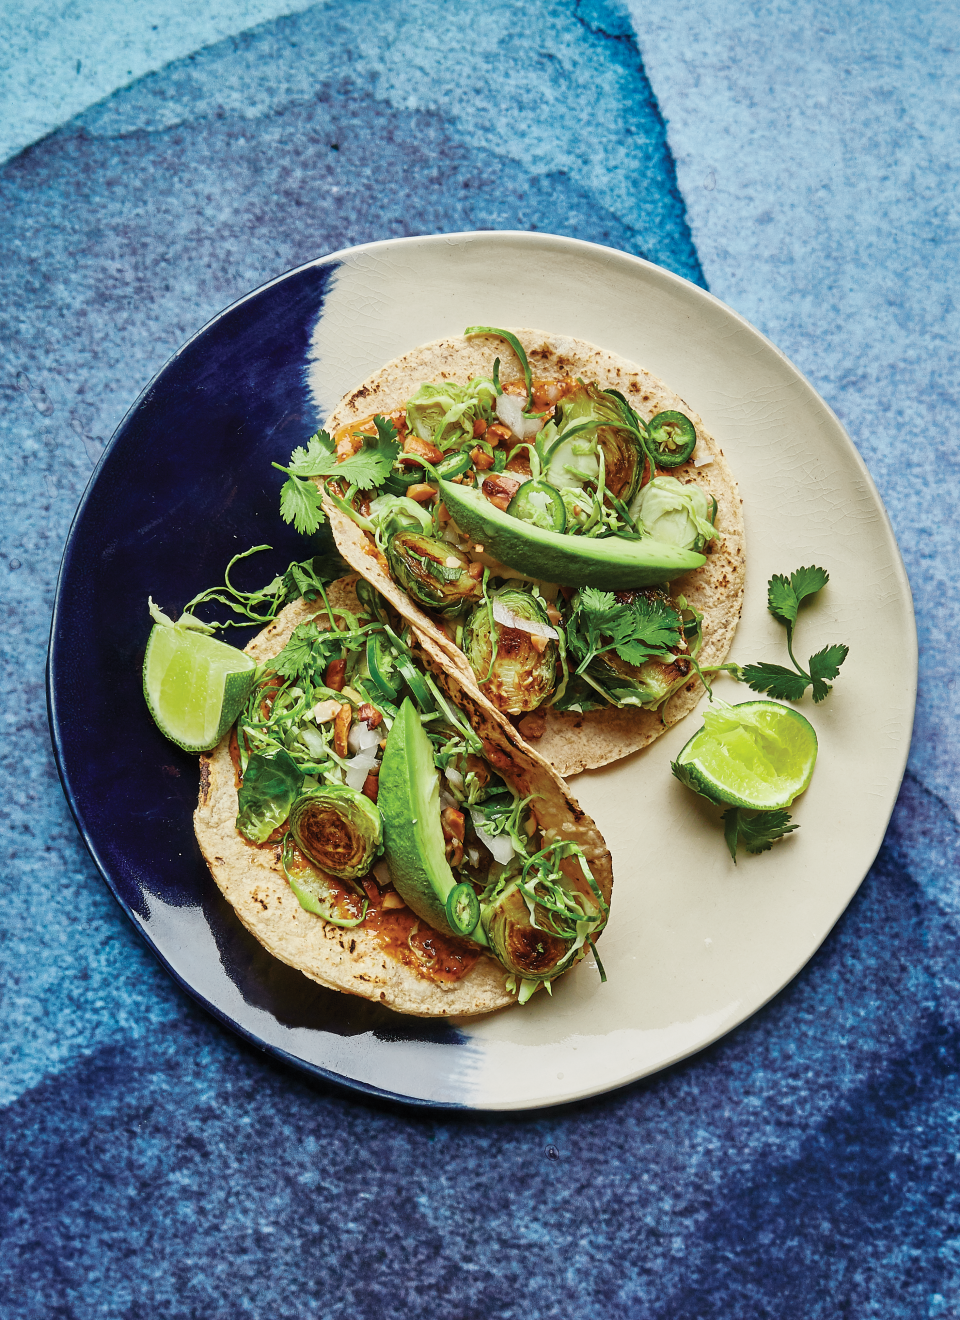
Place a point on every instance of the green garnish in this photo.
(784, 596)
(517, 347)
(638, 630)
(301, 501)
(757, 830)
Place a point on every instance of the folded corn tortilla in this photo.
(251, 878)
(571, 742)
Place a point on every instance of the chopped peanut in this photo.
(533, 726)
(335, 675)
(371, 787)
(452, 823)
(482, 461)
(341, 729)
(370, 716)
(414, 449)
(392, 900)
(479, 427)
(553, 614)
(421, 492)
(494, 434)
(325, 711)
(476, 570)
(538, 643)
(500, 490)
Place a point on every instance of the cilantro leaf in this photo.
(808, 581)
(757, 832)
(782, 599)
(638, 630)
(366, 469)
(301, 504)
(369, 467)
(780, 682)
(315, 459)
(297, 656)
(826, 665)
(785, 594)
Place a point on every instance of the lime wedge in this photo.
(195, 686)
(759, 755)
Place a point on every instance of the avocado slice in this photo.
(574, 561)
(409, 801)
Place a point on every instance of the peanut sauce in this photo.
(433, 956)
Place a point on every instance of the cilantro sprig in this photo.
(756, 830)
(639, 630)
(301, 499)
(784, 598)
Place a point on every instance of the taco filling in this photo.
(536, 523)
(355, 776)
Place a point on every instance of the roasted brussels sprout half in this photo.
(574, 460)
(675, 513)
(316, 892)
(339, 829)
(523, 949)
(515, 669)
(433, 573)
(655, 680)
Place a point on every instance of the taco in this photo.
(570, 538)
(383, 829)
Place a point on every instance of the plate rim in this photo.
(343, 256)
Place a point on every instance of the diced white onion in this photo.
(362, 736)
(454, 777)
(702, 460)
(447, 799)
(499, 844)
(357, 770)
(532, 426)
(532, 626)
(510, 412)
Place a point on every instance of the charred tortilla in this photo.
(359, 961)
(570, 742)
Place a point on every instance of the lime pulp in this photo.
(758, 755)
(194, 685)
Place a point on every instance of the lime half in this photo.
(195, 686)
(759, 755)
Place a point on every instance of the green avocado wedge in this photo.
(611, 564)
(409, 801)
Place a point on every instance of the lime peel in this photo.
(194, 685)
(758, 755)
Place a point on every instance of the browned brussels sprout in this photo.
(574, 460)
(524, 950)
(655, 679)
(521, 673)
(433, 573)
(339, 829)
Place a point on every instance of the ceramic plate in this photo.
(695, 944)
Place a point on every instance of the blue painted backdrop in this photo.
(797, 159)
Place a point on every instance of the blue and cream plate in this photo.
(695, 944)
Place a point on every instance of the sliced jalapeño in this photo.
(674, 438)
(463, 909)
(539, 503)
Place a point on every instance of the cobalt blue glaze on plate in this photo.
(695, 945)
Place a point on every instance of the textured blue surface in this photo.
(152, 1164)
